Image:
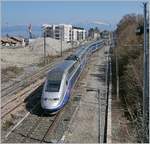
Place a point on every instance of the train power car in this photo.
(61, 79)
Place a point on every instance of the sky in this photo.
(54, 12)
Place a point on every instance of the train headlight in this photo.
(56, 99)
(51, 99)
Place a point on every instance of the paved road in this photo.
(87, 124)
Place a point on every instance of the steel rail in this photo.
(25, 81)
(50, 128)
(11, 89)
(19, 99)
(26, 115)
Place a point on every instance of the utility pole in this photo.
(72, 38)
(117, 76)
(30, 31)
(146, 76)
(7, 30)
(44, 47)
(117, 69)
(61, 28)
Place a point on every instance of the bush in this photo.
(130, 66)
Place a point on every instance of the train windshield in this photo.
(52, 86)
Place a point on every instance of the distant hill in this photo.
(20, 30)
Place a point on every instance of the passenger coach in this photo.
(61, 79)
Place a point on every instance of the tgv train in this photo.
(61, 79)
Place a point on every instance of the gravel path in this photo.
(88, 123)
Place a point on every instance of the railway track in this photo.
(16, 86)
(34, 128)
(24, 117)
(41, 128)
(33, 125)
(49, 128)
(21, 90)
(27, 80)
(20, 93)
(19, 98)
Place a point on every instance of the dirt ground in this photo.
(25, 56)
(88, 122)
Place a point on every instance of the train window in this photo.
(76, 64)
(77, 59)
(71, 69)
(52, 86)
(66, 82)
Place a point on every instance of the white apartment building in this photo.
(64, 31)
(78, 33)
(67, 32)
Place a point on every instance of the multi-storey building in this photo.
(93, 33)
(78, 33)
(65, 32)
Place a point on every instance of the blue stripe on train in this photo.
(67, 95)
(72, 82)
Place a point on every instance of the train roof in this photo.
(95, 42)
(57, 72)
(77, 54)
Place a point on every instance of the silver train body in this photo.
(61, 79)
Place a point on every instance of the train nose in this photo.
(49, 100)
